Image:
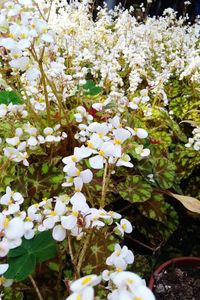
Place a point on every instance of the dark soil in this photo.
(178, 283)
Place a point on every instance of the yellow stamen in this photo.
(2, 280)
(27, 66)
(73, 158)
(118, 252)
(100, 134)
(6, 222)
(90, 145)
(124, 226)
(101, 152)
(10, 35)
(118, 142)
(119, 270)
(130, 281)
(137, 298)
(53, 213)
(28, 218)
(75, 213)
(86, 280)
(78, 172)
(22, 35)
(44, 30)
(78, 297)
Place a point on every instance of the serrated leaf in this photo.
(7, 97)
(192, 204)
(164, 173)
(135, 189)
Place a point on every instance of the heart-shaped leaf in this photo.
(22, 260)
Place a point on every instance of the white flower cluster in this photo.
(194, 142)
(128, 54)
(122, 284)
(105, 142)
(28, 138)
(11, 109)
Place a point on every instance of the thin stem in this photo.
(36, 287)
(82, 254)
(70, 247)
(45, 90)
(103, 193)
(59, 278)
(90, 197)
(106, 180)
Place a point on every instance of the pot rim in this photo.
(182, 260)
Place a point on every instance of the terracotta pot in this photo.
(179, 261)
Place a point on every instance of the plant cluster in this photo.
(96, 128)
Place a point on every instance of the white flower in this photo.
(87, 293)
(124, 161)
(120, 258)
(15, 229)
(79, 154)
(127, 279)
(143, 293)
(141, 133)
(121, 294)
(124, 226)
(29, 230)
(13, 141)
(3, 268)
(21, 63)
(82, 283)
(3, 24)
(4, 248)
(143, 152)
(59, 233)
(70, 222)
(107, 149)
(3, 110)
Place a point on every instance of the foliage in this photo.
(99, 138)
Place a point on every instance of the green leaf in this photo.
(22, 260)
(53, 266)
(91, 88)
(135, 189)
(154, 208)
(164, 173)
(45, 168)
(7, 97)
(57, 179)
(21, 267)
(43, 246)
